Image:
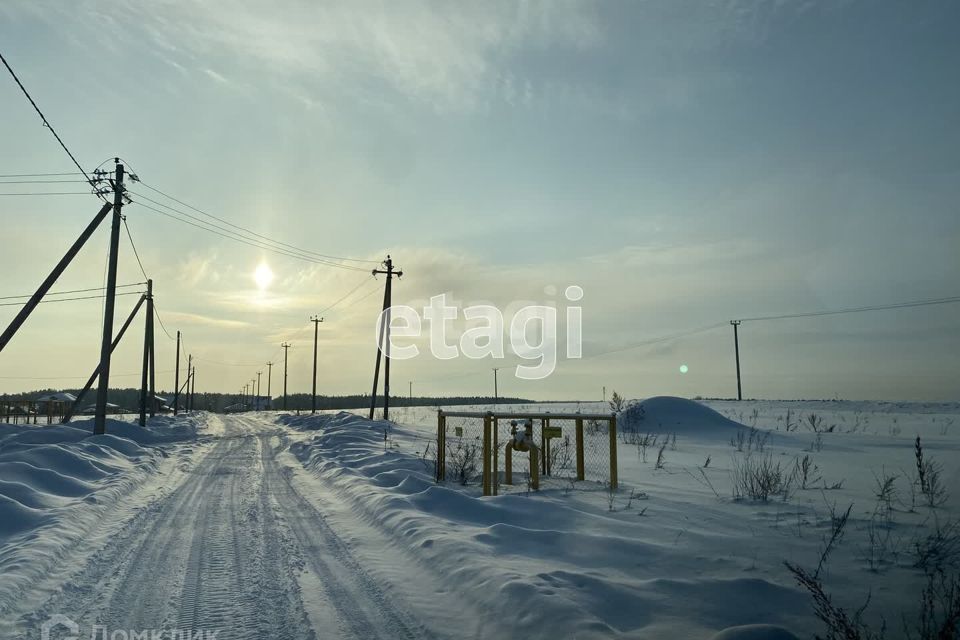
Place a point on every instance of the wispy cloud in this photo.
(199, 319)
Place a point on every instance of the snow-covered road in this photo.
(228, 550)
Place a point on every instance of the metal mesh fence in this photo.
(521, 452)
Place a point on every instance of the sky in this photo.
(685, 163)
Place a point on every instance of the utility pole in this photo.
(269, 375)
(736, 349)
(253, 388)
(259, 373)
(193, 387)
(186, 404)
(176, 378)
(495, 394)
(93, 377)
(100, 419)
(153, 360)
(384, 344)
(243, 399)
(286, 349)
(144, 378)
(410, 394)
(604, 393)
(316, 320)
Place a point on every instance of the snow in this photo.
(273, 525)
(677, 560)
(57, 483)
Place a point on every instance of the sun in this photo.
(263, 276)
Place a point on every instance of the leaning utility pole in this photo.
(736, 349)
(44, 287)
(100, 419)
(93, 377)
(495, 394)
(286, 348)
(146, 376)
(176, 377)
(316, 320)
(384, 344)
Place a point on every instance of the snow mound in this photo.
(667, 414)
(17, 518)
(755, 632)
(45, 471)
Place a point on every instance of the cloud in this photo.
(199, 319)
(448, 55)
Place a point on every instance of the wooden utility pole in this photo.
(193, 387)
(495, 394)
(186, 390)
(384, 344)
(316, 320)
(153, 359)
(145, 390)
(93, 377)
(259, 373)
(269, 375)
(100, 419)
(736, 350)
(68, 257)
(176, 378)
(286, 349)
(410, 394)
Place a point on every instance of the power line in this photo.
(38, 175)
(348, 294)
(41, 181)
(47, 124)
(48, 193)
(17, 304)
(651, 341)
(63, 293)
(253, 233)
(157, 314)
(364, 297)
(879, 307)
(237, 238)
(134, 247)
(226, 364)
(112, 375)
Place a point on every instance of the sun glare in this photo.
(263, 276)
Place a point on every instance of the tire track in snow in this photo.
(364, 609)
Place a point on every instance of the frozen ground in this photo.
(265, 525)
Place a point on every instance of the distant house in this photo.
(53, 403)
(91, 409)
(162, 404)
(60, 396)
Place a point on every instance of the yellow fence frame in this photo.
(491, 444)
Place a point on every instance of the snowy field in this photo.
(328, 530)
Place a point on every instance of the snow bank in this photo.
(57, 482)
(755, 632)
(549, 565)
(666, 414)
